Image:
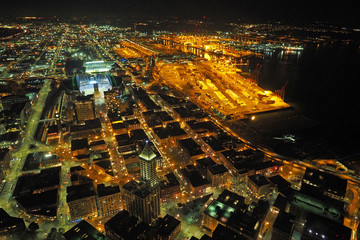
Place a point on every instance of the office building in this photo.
(109, 199)
(197, 184)
(217, 175)
(170, 188)
(142, 201)
(82, 201)
(148, 165)
(259, 185)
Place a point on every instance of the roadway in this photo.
(283, 159)
(19, 155)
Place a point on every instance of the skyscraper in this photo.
(148, 165)
(142, 201)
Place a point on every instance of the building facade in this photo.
(148, 165)
(109, 199)
(259, 185)
(142, 201)
(81, 200)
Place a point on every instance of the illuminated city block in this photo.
(87, 82)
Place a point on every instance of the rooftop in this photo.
(47, 179)
(89, 124)
(107, 190)
(147, 153)
(126, 226)
(84, 231)
(187, 112)
(231, 199)
(284, 222)
(325, 182)
(319, 226)
(7, 221)
(95, 143)
(205, 162)
(194, 177)
(80, 191)
(221, 233)
(219, 211)
(201, 126)
(124, 140)
(259, 180)
(43, 203)
(118, 125)
(172, 100)
(138, 135)
(167, 225)
(171, 180)
(217, 169)
(281, 202)
(191, 146)
(79, 144)
(140, 189)
(171, 130)
(214, 143)
(279, 182)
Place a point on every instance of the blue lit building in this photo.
(87, 82)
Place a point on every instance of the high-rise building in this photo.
(148, 165)
(84, 107)
(142, 201)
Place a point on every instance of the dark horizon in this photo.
(256, 11)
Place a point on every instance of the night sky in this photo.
(291, 11)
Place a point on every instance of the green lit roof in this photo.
(223, 213)
(147, 153)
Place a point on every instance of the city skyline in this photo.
(179, 120)
(258, 11)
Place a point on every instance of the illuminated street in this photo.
(133, 131)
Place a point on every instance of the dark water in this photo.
(324, 85)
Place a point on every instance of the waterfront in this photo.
(323, 86)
